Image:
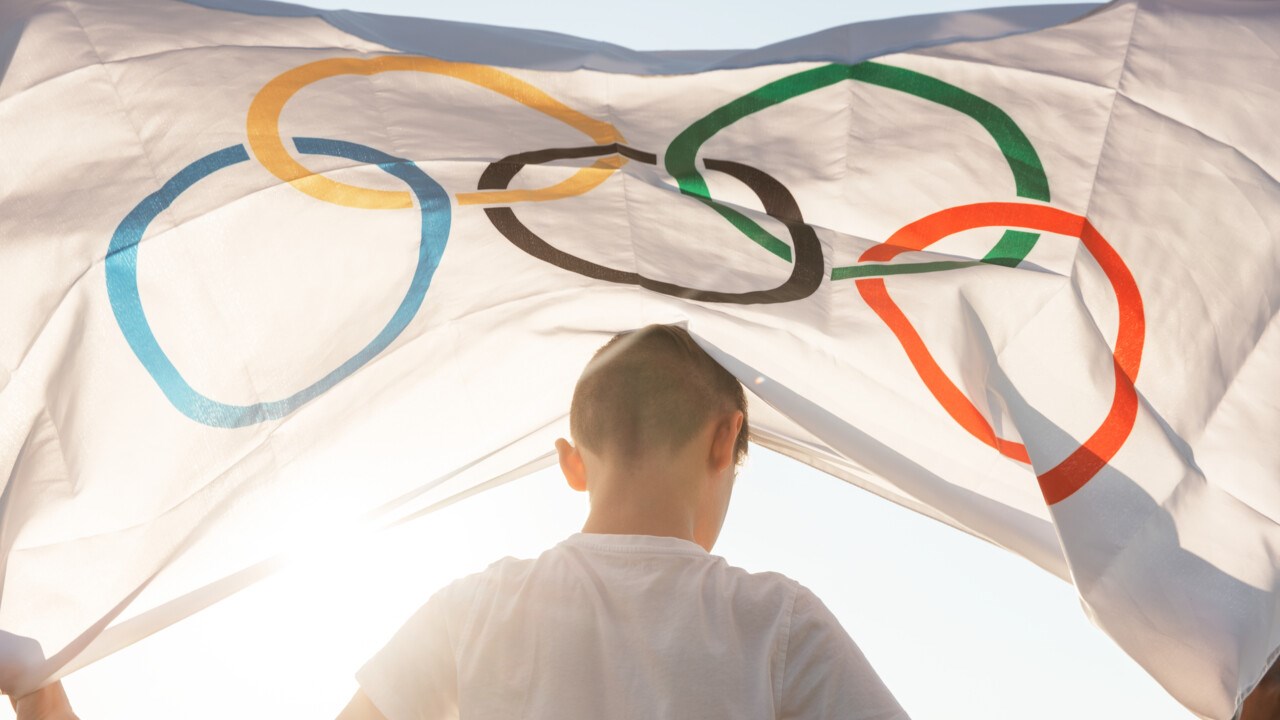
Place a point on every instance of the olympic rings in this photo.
(1030, 181)
(122, 280)
(806, 272)
(1068, 476)
(263, 126)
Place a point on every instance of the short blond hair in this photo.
(650, 391)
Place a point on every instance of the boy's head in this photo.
(648, 392)
(660, 429)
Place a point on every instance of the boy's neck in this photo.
(636, 506)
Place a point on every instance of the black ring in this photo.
(806, 270)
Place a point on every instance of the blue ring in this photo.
(122, 280)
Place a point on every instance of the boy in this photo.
(632, 617)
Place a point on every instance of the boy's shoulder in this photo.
(504, 568)
(767, 586)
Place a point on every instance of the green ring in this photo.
(1028, 173)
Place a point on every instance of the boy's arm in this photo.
(48, 703)
(825, 675)
(1264, 702)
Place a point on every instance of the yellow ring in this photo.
(268, 147)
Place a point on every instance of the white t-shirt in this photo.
(624, 626)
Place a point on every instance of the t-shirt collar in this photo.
(636, 543)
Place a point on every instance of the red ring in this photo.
(1061, 481)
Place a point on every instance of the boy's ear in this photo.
(724, 439)
(575, 471)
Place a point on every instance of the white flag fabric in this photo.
(269, 273)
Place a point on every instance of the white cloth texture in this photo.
(624, 626)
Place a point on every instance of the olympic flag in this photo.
(268, 273)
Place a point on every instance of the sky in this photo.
(957, 628)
